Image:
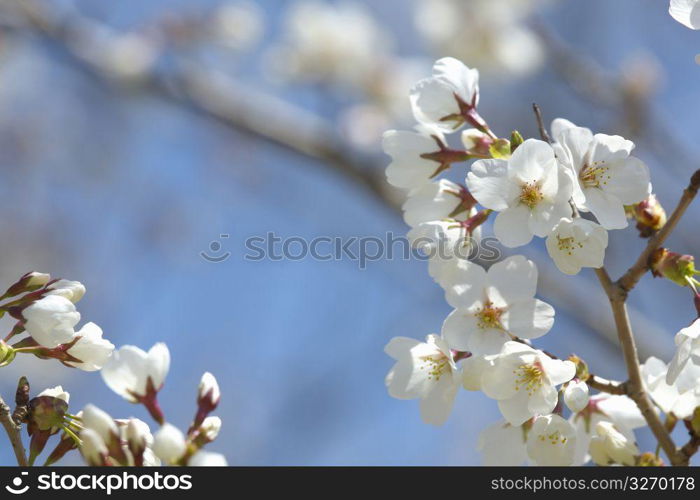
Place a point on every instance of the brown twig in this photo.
(540, 123)
(635, 385)
(641, 266)
(13, 433)
(617, 294)
(604, 385)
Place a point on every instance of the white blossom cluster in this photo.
(570, 191)
(490, 34)
(47, 317)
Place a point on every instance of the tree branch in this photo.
(641, 266)
(604, 385)
(13, 433)
(617, 294)
(635, 385)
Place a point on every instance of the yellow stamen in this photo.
(594, 175)
(530, 194)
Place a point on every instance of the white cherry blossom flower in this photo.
(551, 441)
(56, 392)
(524, 381)
(169, 443)
(559, 125)
(502, 444)
(681, 397)
(50, 321)
(530, 191)
(687, 348)
(610, 446)
(440, 100)
(415, 157)
(619, 410)
(448, 243)
(91, 349)
(606, 176)
(577, 243)
(424, 370)
(576, 395)
(493, 306)
(435, 201)
(130, 369)
(686, 12)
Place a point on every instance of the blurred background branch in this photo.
(129, 62)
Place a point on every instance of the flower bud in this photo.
(71, 290)
(7, 354)
(650, 216)
(576, 395)
(516, 139)
(93, 449)
(28, 283)
(169, 443)
(100, 422)
(208, 431)
(207, 459)
(673, 266)
(138, 438)
(209, 394)
(582, 372)
(208, 397)
(476, 141)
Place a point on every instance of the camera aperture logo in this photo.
(104, 482)
(16, 487)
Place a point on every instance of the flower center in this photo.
(489, 316)
(529, 376)
(530, 194)
(594, 175)
(568, 245)
(435, 365)
(554, 438)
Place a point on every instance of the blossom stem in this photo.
(72, 434)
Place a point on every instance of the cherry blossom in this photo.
(606, 176)
(551, 441)
(529, 190)
(524, 381)
(577, 243)
(424, 370)
(493, 307)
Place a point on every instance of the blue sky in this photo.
(123, 192)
